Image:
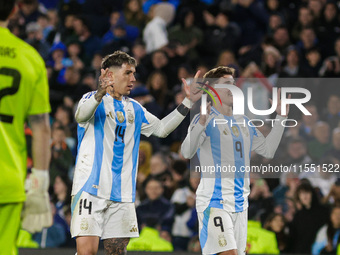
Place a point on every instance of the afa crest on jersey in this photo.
(120, 117)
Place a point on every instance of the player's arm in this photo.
(194, 138)
(37, 211)
(40, 125)
(90, 101)
(267, 146)
(162, 128)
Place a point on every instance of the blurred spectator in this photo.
(145, 153)
(275, 21)
(226, 58)
(308, 40)
(261, 202)
(252, 17)
(327, 238)
(142, 95)
(328, 28)
(184, 201)
(296, 153)
(30, 10)
(307, 220)
(314, 61)
(186, 33)
(276, 223)
(156, 208)
(321, 176)
(286, 189)
(305, 19)
(134, 14)
(46, 28)
(331, 65)
(119, 30)
(316, 8)
(90, 43)
(335, 150)
(333, 196)
(148, 4)
(281, 39)
(158, 86)
(292, 67)
(54, 236)
(75, 53)
(308, 122)
(64, 115)
(221, 34)
(321, 144)
(271, 63)
(62, 159)
(62, 194)
(35, 39)
(332, 113)
(155, 35)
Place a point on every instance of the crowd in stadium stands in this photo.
(266, 39)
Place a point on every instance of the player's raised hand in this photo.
(278, 107)
(104, 81)
(191, 91)
(204, 117)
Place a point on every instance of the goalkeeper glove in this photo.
(37, 212)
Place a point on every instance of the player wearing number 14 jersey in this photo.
(222, 195)
(104, 185)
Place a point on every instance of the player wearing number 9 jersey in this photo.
(104, 184)
(222, 195)
(23, 95)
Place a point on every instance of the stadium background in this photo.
(259, 38)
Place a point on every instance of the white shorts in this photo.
(94, 216)
(220, 231)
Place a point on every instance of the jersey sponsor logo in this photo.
(222, 241)
(120, 116)
(7, 52)
(225, 131)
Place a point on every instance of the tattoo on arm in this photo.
(98, 97)
(38, 118)
(115, 246)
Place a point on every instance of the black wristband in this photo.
(182, 109)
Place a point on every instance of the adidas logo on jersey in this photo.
(134, 229)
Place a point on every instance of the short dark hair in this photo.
(117, 59)
(219, 72)
(6, 7)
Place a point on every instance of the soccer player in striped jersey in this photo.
(222, 198)
(104, 184)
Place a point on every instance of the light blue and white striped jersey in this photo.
(228, 147)
(108, 145)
